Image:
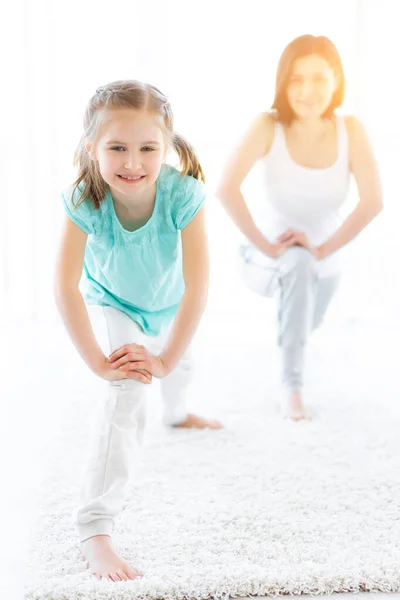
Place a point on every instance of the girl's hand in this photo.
(133, 358)
(293, 237)
(109, 374)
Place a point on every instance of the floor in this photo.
(36, 357)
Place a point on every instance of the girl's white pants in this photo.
(120, 422)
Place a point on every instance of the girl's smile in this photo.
(131, 179)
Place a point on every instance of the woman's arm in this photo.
(364, 168)
(71, 305)
(255, 144)
(192, 305)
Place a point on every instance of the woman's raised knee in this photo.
(297, 257)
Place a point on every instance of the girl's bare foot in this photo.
(192, 421)
(294, 409)
(104, 562)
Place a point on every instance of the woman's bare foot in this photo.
(104, 562)
(294, 409)
(194, 422)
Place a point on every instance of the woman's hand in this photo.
(292, 238)
(134, 358)
(275, 250)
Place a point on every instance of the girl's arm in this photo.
(192, 305)
(71, 305)
(255, 144)
(364, 168)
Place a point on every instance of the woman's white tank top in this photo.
(305, 199)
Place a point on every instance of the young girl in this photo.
(136, 226)
(308, 154)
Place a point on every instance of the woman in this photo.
(309, 153)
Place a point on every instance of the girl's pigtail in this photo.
(88, 173)
(188, 158)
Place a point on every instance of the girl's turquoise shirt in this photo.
(138, 272)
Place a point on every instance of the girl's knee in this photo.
(127, 389)
(126, 384)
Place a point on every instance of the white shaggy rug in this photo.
(265, 507)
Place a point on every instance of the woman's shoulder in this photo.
(260, 134)
(353, 125)
(357, 135)
(265, 122)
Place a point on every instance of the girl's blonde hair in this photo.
(126, 94)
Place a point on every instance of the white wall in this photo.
(216, 61)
